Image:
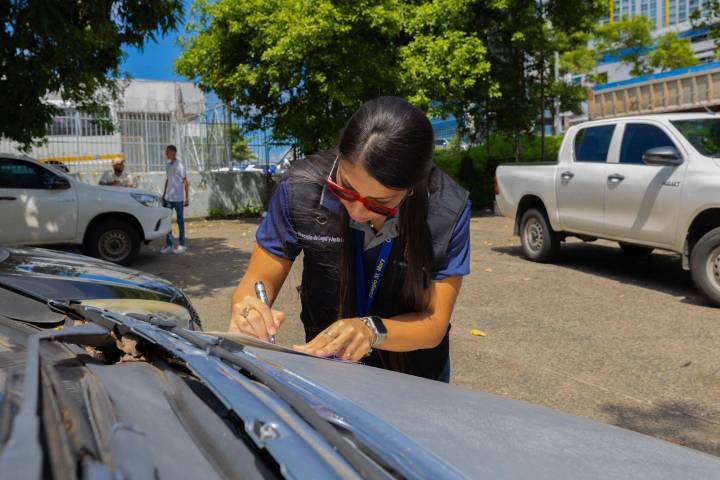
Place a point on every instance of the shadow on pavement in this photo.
(676, 422)
(210, 264)
(656, 271)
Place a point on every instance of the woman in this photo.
(385, 242)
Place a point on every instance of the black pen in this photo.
(261, 293)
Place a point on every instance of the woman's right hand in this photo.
(252, 317)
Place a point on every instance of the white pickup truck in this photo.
(42, 205)
(646, 182)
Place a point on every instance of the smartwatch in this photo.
(376, 325)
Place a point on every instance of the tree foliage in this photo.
(631, 41)
(301, 67)
(239, 145)
(671, 53)
(444, 65)
(71, 48)
(706, 16)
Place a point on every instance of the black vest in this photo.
(319, 232)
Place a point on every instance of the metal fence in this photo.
(445, 129)
(85, 144)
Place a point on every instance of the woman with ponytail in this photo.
(385, 242)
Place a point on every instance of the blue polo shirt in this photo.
(277, 235)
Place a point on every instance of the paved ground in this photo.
(624, 342)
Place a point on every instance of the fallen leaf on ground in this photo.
(488, 270)
(477, 333)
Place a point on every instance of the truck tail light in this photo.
(496, 187)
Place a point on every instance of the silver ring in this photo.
(245, 312)
(329, 334)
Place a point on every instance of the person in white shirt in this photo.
(117, 177)
(175, 197)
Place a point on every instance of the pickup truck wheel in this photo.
(705, 265)
(539, 241)
(114, 241)
(635, 250)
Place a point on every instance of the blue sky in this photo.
(156, 61)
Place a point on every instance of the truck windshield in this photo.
(703, 133)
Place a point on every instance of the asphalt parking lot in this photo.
(625, 342)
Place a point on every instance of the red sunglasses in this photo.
(351, 196)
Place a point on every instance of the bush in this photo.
(474, 169)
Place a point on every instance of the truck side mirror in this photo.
(662, 156)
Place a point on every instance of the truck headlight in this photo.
(147, 199)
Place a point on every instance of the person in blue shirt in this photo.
(385, 242)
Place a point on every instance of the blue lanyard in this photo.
(364, 299)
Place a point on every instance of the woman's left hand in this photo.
(349, 339)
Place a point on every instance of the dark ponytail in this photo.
(394, 142)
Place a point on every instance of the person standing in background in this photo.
(175, 197)
(118, 177)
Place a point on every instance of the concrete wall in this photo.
(211, 193)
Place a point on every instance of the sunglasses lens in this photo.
(381, 209)
(349, 196)
(342, 193)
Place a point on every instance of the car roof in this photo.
(18, 156)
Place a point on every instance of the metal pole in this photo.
(542, 86)
(144, 137)
(556, 116)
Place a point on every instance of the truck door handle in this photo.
(616, 177)
(8, 198)
(567, 175)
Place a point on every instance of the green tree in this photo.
(706, 16)
(301, 67)
(671, 53)
(582, 59)
(522, 39)
(444, 68)
(631, 41)
(491, 63)
(239, 146)
(70, 48)
(297, 67)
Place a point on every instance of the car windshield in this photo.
(703, 133)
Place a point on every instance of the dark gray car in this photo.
(136, 394)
